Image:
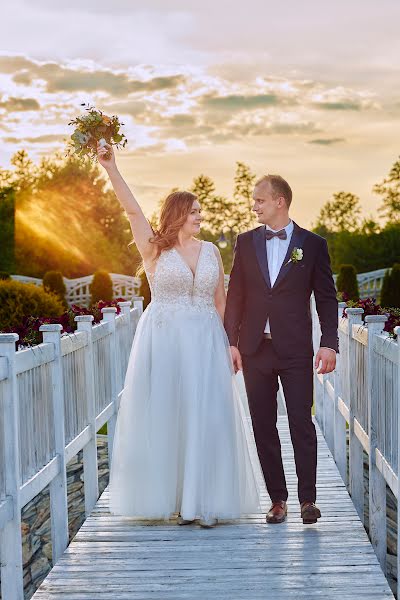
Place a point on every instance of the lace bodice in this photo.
(173, 282)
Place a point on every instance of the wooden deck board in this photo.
(119, 558)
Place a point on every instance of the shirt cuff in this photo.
(326, 347)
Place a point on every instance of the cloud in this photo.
(182, 120)
(342, 98)
(10, 64)
(338, 105)
(40, 139)
(327, 141)
(240, 102)
(178, 109)
(60, 78)
(20, 104)
(68, 80)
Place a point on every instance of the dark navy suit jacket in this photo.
(251, 299)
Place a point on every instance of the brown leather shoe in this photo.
(310, 513)
(277, 513)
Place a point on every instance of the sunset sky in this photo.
(306, 89)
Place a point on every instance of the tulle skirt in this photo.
(182, 439)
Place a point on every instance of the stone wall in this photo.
(391, 525)
(36, 526)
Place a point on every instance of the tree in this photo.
(80, 177)
(243, 217)
(341, 213)
(25, 172)
(390, 294)
(389, 189)
(347, 282)
(66, 218)
(216, 209)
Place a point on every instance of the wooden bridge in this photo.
(120, 558)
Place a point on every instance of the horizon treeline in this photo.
(61, 215)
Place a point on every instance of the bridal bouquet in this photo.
(95, 127)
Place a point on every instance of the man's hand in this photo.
(327, 357)
(236, 359)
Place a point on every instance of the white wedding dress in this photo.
(182, 439)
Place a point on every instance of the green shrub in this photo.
(101, 287)
(346, 282)
(390, 294)
(53, 282)
(4, 275)
(23, 299)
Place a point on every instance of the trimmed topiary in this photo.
(18, 300)
(347, 283)
(53, 282)
(390, 294)
(101, 287)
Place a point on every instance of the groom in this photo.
(268, 322)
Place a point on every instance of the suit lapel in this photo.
(296, 241)
(261, 253)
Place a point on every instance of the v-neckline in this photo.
(186, 263)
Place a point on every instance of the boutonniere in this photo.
(296, 256)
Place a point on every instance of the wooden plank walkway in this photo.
(119, 558)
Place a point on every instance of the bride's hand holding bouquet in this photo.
(106, 156)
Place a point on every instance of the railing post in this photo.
(58, 485)
(340, 422)
(329, 415)
(11, 540)
(377, 483)
(356, 463)
(125, 306)
(138, 303)
(109, 313)
(90, 475)
(397, 400)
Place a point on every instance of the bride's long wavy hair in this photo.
(173, 215)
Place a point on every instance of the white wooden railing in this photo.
(54, 397)
(361, 398)
(370, 283)
(78, 290)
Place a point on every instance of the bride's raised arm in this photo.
(140, 226)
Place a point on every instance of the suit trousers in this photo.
(261, 371)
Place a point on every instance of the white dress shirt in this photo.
(276, 251)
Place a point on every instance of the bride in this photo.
(182, 441)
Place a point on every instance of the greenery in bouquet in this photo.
(93, 127)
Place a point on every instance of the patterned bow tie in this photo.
(282, 235)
